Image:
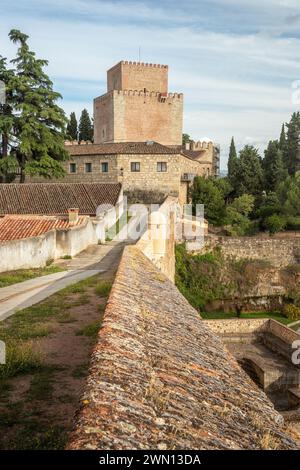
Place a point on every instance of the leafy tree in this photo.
(270, 205)
(223, 184)
(36, 134)
(233, 163)
(292, 146)
(85, 127)
(289, 196)
(204, 191)
(237, 221)
(186, 138)
(274, 171)
(275, 223)
(72, 127)
(250, 174)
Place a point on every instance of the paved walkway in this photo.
(96, 259)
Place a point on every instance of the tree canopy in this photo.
(32, 125)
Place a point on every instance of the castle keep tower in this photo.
(137, 106)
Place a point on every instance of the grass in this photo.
(20, 359)
(103, 288)
(28, 406)
(223, 316)
(33, 322)
(14, 277)
(90, 330)
(41, 386)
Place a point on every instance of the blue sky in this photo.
(234, 60)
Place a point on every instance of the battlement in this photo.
(138, 106)
(144, 64)
(139, 64)
(141, 93)
(199, 145)
(151, 94)
(127, 75)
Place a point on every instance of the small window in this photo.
(135, 166)
(73, 168)
(104, 167)
(161, 167)
(88, 168)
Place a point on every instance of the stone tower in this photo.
(137, 106)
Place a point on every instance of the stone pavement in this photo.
(96, 259)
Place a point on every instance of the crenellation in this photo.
(138, 106)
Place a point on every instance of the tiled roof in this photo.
(194, 154)
(161, 379)
(19, 227)
(121, 148)
(56, 198)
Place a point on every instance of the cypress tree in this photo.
(85, 127)
(249, 178)
(282, 140)
(72, 127)
(292, 147)
(274, 171)
(233, 165)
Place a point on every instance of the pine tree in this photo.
(39, 123)
(292, 147)
(85, 127)
(232, 164)
(72, 127)
(8, 165)
(274, 171)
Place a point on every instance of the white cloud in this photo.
(233, 83)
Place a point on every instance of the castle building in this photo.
(138, 107)
(138, 139)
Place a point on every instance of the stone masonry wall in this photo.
(137, 76)
(279, 252)
(135, 116)
(161, 379)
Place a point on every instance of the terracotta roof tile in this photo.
(19, 227)
(56, 198)
(121, 148)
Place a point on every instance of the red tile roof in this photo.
(56, 198)
(19, 227)
(121, 148)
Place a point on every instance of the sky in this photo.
(236, 61)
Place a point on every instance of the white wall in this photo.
(28, 253)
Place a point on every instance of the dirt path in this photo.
(41, 390)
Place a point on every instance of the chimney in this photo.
(73, 216)
(188, 145)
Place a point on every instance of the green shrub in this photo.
(275, 223)
(292, 312)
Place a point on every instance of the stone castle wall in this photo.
(135, 116)
(138, 76)
(161, 379)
